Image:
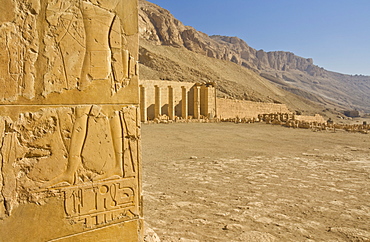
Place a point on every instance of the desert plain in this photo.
(255, 182)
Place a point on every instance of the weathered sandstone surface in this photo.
(69, 121)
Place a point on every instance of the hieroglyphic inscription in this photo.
(101, 203)
(57, 147)
(69, 136)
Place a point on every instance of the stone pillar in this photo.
(196, 90)
(215, 103)
(143, 104)
(171, 104)
(158, 102)
(212, 100)
(70, 167)
(184, 101)
(204, 101)
(208, 105)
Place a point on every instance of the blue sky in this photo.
(335, 33)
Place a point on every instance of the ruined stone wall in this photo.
(310, 119)
(69, 124)
(228, 108)
(201, 101)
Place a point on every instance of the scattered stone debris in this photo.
(149, 234)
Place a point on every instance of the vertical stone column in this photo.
(197, 95)
(184, 100)
(171, 104)
(211, 100)
(204, 101)
(69, 92)
(143, 104)
(215, 103)
(158, 102)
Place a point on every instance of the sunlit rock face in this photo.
(160, 27)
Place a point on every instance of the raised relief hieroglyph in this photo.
(101, 203)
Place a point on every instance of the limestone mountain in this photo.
(171, 50)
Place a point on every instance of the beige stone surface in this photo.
(69, 124)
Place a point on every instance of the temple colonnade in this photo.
(176, 100)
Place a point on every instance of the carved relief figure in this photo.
(85, 41)
(64, 45)
(93, 129)
(19, 51)
(10, 72)
(97, 63)
(68, 150)
(106, 53)
(63, 147)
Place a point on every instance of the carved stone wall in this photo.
(70, 167)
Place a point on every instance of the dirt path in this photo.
(255, 182)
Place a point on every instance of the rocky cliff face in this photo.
(296, 74)
(158, 26)
(161, 28)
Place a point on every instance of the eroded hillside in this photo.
(173, 51)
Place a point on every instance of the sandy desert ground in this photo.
(255, 182)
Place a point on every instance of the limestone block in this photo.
(69, 125)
